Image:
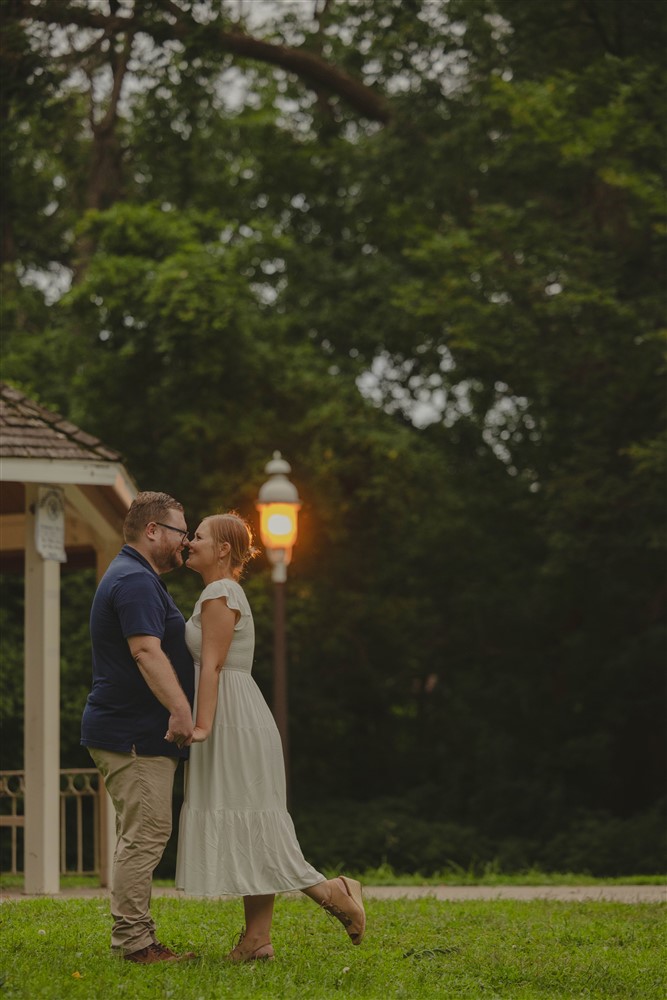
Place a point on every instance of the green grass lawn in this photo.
(416, 949)
(489, 875)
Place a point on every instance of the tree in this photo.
(478, 590)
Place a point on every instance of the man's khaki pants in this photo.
(141, 790)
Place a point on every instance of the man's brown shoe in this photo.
(156, 953)
(185, 956)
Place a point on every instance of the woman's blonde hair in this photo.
(232, 528)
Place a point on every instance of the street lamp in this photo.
(278, 505)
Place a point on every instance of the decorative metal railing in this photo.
(81, 806)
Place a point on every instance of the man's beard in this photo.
(169, 559)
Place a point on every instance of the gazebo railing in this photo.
(82, 795)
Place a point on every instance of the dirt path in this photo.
(453, 893)
(565, 893)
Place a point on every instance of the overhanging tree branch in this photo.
(309, 66)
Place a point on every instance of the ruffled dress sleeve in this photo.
(233, 594)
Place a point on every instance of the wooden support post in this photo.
(42, 713)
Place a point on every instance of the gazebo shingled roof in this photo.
(28, 430)
(38, 445)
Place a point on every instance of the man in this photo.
(143, 687)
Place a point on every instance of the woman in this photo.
(235, 835)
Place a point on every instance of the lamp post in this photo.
(278, 505)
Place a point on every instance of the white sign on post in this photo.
(50, 524)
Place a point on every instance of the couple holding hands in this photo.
(163, 690)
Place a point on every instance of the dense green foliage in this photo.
(427, 948)
(476, 602)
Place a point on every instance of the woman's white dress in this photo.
(235, 834)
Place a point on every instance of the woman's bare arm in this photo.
(217, 623)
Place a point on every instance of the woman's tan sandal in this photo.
(262, 953)
(346, 904)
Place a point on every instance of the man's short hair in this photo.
(147, 507)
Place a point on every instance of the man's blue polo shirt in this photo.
(121, 711)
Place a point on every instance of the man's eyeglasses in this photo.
(183, 534)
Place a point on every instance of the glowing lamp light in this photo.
(278, 505)
(278, 526)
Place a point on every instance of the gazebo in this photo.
(63, 498)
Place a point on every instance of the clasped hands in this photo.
(184, 735)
